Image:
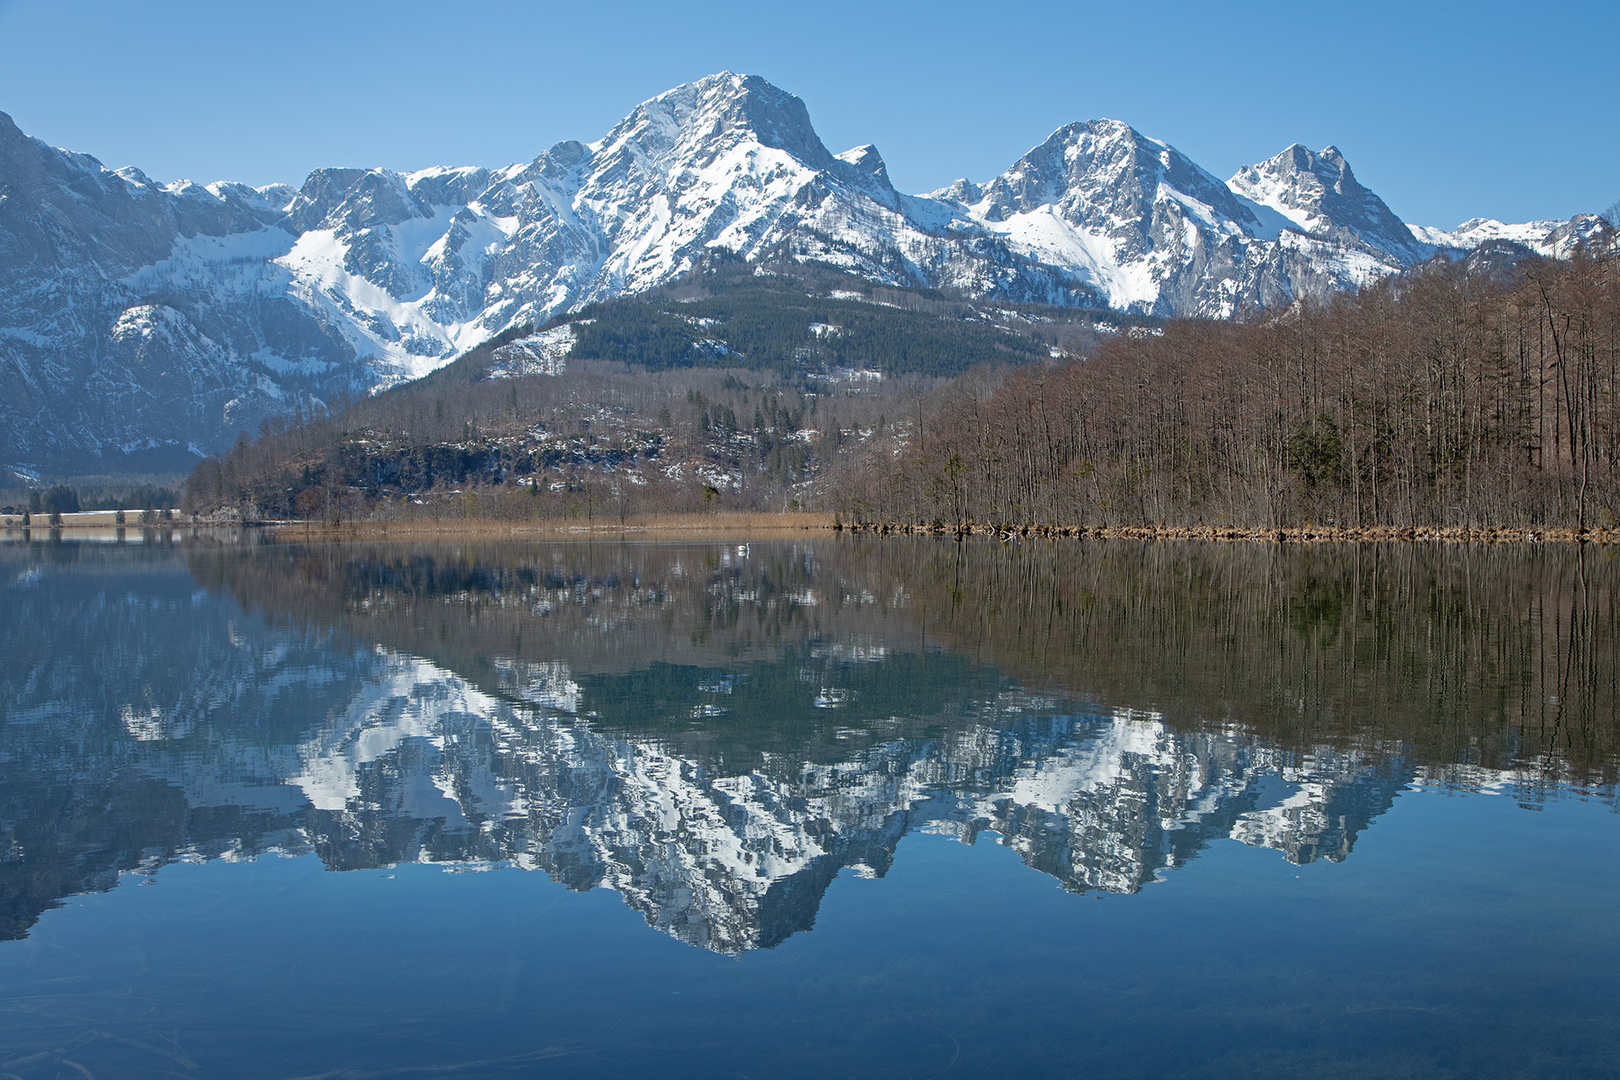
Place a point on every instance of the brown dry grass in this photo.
(766, 525)
(1293, 534)
(717, 526)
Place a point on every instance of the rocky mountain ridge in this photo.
(145, 323)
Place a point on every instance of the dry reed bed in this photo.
(732, 526)
(1290, 534)
(719, 526)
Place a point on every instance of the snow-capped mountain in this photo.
(1317, 195)
(161, 319)
(1554, 239)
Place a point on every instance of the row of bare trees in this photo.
(1450, 396)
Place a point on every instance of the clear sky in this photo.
(1447, 110)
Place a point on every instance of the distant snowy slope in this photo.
(1555, 239)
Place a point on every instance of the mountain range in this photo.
(143, 324)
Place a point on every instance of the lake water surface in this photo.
(830, 808)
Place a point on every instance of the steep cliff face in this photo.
(137, 320)
(1318, 195)
(151, 322)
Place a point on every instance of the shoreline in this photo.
(673, 526)
(1290, 534)
(745, 526)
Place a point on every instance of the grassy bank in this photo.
(649, 527)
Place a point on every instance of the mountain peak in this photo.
(867, 162)
(1317, 192)
(1110, 167)
(1299, 160)
(717, 110)
(1100, 132)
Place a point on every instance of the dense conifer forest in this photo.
(803, 322)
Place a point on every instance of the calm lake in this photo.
(830, 808)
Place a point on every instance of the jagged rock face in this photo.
(135, 317)
(728, 165)
(1135, 218)
(139, 316)
(1318, 195)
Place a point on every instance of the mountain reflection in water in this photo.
(715, 733)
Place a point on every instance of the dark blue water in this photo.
(688, 812)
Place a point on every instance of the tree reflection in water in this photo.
(716, 733)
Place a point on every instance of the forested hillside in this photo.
(1481, 393)
(736, 390)
(1473, 394)
(798, 322)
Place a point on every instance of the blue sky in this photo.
(1447, 110)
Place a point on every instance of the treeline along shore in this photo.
(1473, 400)
(1460, 396)
(1303, 534)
